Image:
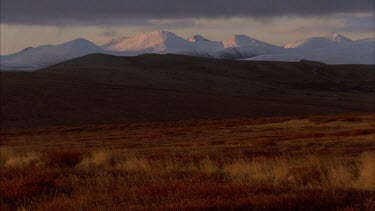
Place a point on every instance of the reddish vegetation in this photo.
(111, 187)
(63, 158)
(313, 163)
(24, 186)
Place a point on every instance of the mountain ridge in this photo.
(331, 49)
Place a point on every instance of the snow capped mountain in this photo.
(46, 55)
(239, 46)
(330, 40)
(167, 42)
(334, 49)
(197, 38)
(242, 41)
(114, 42)
(331, 49)
(202, 46)
(242, 46)
(338, 38)
(153, 42)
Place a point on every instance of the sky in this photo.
(25, 23)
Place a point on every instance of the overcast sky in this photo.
(27, 23)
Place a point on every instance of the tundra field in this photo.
(296, 163)
(172, 132)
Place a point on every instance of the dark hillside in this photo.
(100, 89)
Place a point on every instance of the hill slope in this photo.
(102, 89)
(46, 55)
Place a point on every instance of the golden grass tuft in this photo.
(10, 158)
(366, 179)
(103, 158)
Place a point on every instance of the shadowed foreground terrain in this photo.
(103, 89)
(305, 163)
(168, 132)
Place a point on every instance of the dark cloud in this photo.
(102, 12)
(172, 24)
(358, 24)
(151, 25)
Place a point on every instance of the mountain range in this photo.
(331, 49)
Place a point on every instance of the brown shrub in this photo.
(23, 185)
(63, 158)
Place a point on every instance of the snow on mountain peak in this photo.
(46, 55)
(338, 37)
(114, 41)
(245, 41)
(242, 46)
(197, 38)
(155, 41)
(156, 36)
(333, 48)
(332, 39)
(237, 41)
(241, 41)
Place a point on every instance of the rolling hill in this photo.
(105, 89)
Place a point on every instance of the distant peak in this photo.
(337, 37)
(197, 38)
(28, 48)
(154, 41)
(335, 34)
(114, 41)
(79, 41)
(240, 40)
(243, 39)
(240, 36)
(157, 35)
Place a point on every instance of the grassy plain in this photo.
(296, 163)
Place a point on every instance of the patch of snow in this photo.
(197, 38)
(113, 42)
(153, 42)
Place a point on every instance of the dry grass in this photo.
(344, 134)
(10, 158)
(113, 180)
(308, 163)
